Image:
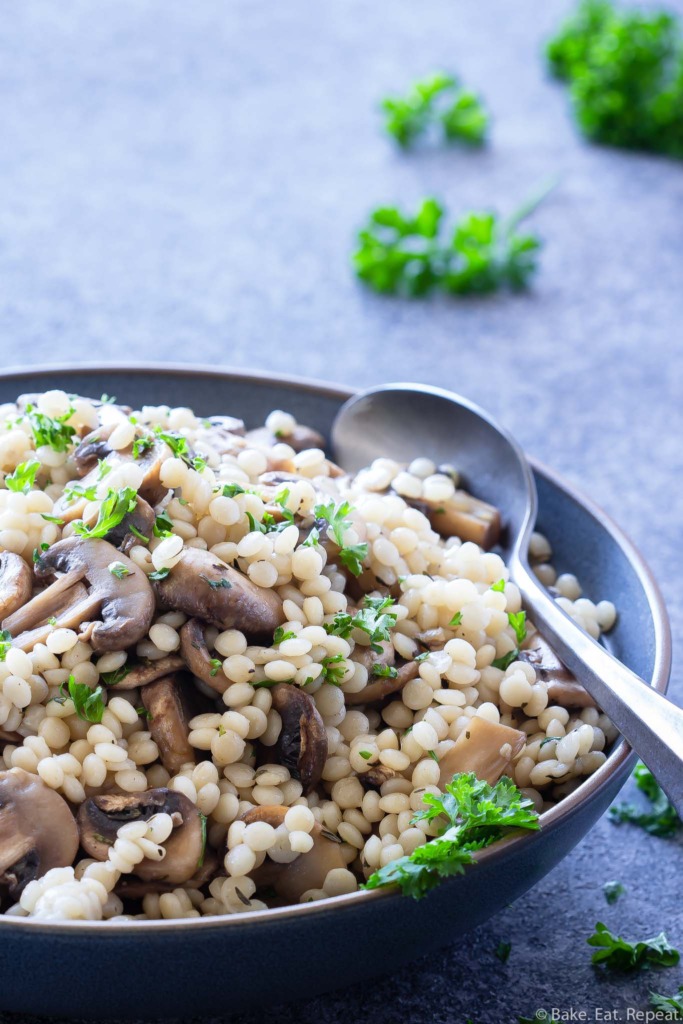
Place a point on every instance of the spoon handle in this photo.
(651, 723)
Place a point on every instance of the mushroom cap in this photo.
(37, 829)
(166, 702)
(485, 748)
(203, 586)
(308, 870)
(125, 606)
(100, 817)
(93, 447)
(302, 743)
(197, 658)
(16, 583)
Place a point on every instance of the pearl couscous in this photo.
(229, 672)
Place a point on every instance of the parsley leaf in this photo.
(502, 951)
(350, 556)
(612, 891)
(333, 669)
(373, 618)
(625, 73)
(660, 819)
(385, 671)
(230, 490)
(103, 467)
(53, 433)
(365, 754)
(456, 620)
(216, 584)
(463, 118)
(499, 586)
(280, 635)
(163, 525)
(142, 444)
(115, 677)
(24, 476)
(5, 643)
(476, 815)
(216, 666)
(412, 256)
(159, 574)
(506, 660)
(518, 622)
(119, 570)
(622, 955)
(52, 519)
(76, 492)
(312, 539)
(88, 703)
(669, 1003)
(114, 507)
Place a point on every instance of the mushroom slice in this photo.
(308, 870)
(114, 614)
(302, 743)
(169, 723)
(463, 516)
(485, 748)
(147, 671)
(37, 830)
(197, 658)
(563, 688)
(142, 519)
(93, 447)
(16, 583)
(376, 776)
(100, 817)
(382, 686)
(131, 888)
(202, 585)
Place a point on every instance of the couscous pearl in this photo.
(61, 640)
(259, 835)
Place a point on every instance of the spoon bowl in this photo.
(405, 421)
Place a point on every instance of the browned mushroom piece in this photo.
(225, 434)
(37, 830)
(92, 448)
(563, 688)
(100, 817)
(434, 639)
(16, 583)
(196, 656)
(114, 613)
(140, 521)
(308, 870)
(380, 687)
(463, 516)
(169, 721)
(147, 671)
(485, 748)
(366, 656)
(203, 586)
(302, 744)
(376, 776)
(131, 888)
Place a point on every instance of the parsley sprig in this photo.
(350, 555)
(621, 955)
(476, 815)
(673, 1004)
(114, 507)
(5, 643)
(24, 477)
(88, 703)
(660, 819)
(413, 256)
(438, 100)
(374, 618)
(53, 433)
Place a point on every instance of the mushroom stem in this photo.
(485, 748)
(197, 658)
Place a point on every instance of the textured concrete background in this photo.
(182, 181)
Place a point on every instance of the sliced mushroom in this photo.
(302, 743)
(141, 519)
(308, 870)
(201, 585)
(376, 776)
(169, 724)
(563, 688)
(114, 614)
(463, 516)
(16, 583)
(131, 888)
(93, 447)
(225, 434)
(100, 817)
(364, 655)
(197, 658)
(147, 671)
(485, 748)
(37, 830)
(382, 686)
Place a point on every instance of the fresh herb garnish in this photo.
(365, 754)
(38, 552)
(349, 555)
(24, 476)
(506, 660)
(502, 951)
(660, 819)
(456, 620)
(52, 519)
(373, 619)
(78, 492)
(422, 657)
(412, 256)
(88, 703)
(312, 539)
(499, 586)
(612, 891)
(216, 666)
(119, 570)
(163, 525)
(280, 635)
(385, 671)
(333, 671)
(673, 1004)
(230, 490)
(622, 955)
(52, 621)
(113, 509)
(144, 713)
(103, 467)
(216, 584)
(202, 818)
(159, 574)
(5, 643)
(462, 116)
(476, 814)
(518, 622)
(134, 530)
(625, 72)
(142, 444)
(53, 433)
(115, 677)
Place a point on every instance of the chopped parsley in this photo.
(612, 891)
(134, 530)
(52, 621)
(141, 445)
(422, 657)
(159, 574)
(230, 490)
(216, 584)
(334, 669)
(24, 476)
(673, 1004)
(108, 399)
(439, 100)
(499, 587)
(660, 819)
(5, 643)
(78, 491)
(365, 754)
(103, 467)
(504, 662)
(518, 622)
(456, 620)
(373, 618)
(202, 818)
(115, 677)
(216, 666)
(38, 552)
(119, 570)
(113, 509)
(52, 519)
(352, 555)
(280, 635)
(88, 703)
(502, 951)
(49, 432)
(163, 525)
(622, 955)
(384, 671)
(312, 539)
(476, 815)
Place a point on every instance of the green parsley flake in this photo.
(374, 619)
(621, 955)
(384, 671)
(660, 819)
(159, 574)
(216, 666)
(612, 891)
(215, 584)
(23, 478)
(351, 556)
(439, 100)
(88, 703)
(119, 570)
(281, 635)
(114, 507)
(5, 643)
(49, 432)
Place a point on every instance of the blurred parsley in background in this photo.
(439, 100)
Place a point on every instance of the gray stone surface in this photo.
(182, 181)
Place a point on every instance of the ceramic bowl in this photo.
(228, 964)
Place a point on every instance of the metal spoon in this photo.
(405, 421)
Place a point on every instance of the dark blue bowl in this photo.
(215, 965)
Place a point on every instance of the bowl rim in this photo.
(616, 763)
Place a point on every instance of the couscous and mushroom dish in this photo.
(234, 677)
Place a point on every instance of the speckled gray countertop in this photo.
(183, 181)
